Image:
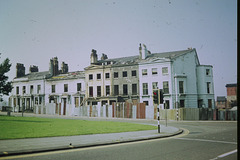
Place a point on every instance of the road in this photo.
(200, 141)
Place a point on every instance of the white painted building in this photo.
(33, 91)
(185, 83)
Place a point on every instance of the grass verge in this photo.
(34, 127)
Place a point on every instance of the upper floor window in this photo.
(125, 89)
(91, 91)
(124, 73)
(107, 90)
(154, 71)
(53, 89)
(24, 89)
(144, 72)
(38, 88)
(165, 87)
(208, 87)
(65, 87)
(208, 72)
(115, 75)
(165, 70)
(99, 76)
(90, 76)
(31, 89)
(145, 88)
(134, 89)
(181, 87)
(107, 75)
(17, 90)
(154, 85)
(134, 73)
(99, 91)
(116, 90)
(79, 86)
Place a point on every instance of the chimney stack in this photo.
(94, 57)
(104, 57)
(20, 70)
(143, 52)
(33, 68)
(53, 66)
(64, 68)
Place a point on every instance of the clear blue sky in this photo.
(34, 31)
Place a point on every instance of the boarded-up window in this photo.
(90, 91)
(134, 89)
(125, 89)
(116, 90)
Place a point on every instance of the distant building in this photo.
(221, 102)
(231, 95)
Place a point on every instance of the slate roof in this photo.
(69, 75)
(34, 76)
(135, 59)
(46, 75)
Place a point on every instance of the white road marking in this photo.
(205, 140)
(225, 154)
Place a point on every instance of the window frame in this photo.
(154, 71)
(65, 87)
(134, 73)
(99, 76)
(115, 74)
(164, 70)
(53, 88)
(144, 72)
(145, 88)
(125, 89)
(124, 74)
(90, 77)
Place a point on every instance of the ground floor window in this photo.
(146, 103)
(167, 104)
(182, 104)
(209, 103)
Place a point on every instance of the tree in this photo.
(5, 87)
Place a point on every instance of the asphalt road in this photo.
(201, 141)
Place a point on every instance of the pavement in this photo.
(36, 145)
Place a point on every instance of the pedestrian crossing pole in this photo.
(158, 118)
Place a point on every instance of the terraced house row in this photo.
(183, 80)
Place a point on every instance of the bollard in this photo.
(158, 120)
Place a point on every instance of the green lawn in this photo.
(30, 127)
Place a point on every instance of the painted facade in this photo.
(185, 83)
(183, 80)
(36, 89)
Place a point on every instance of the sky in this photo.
(34, 31)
